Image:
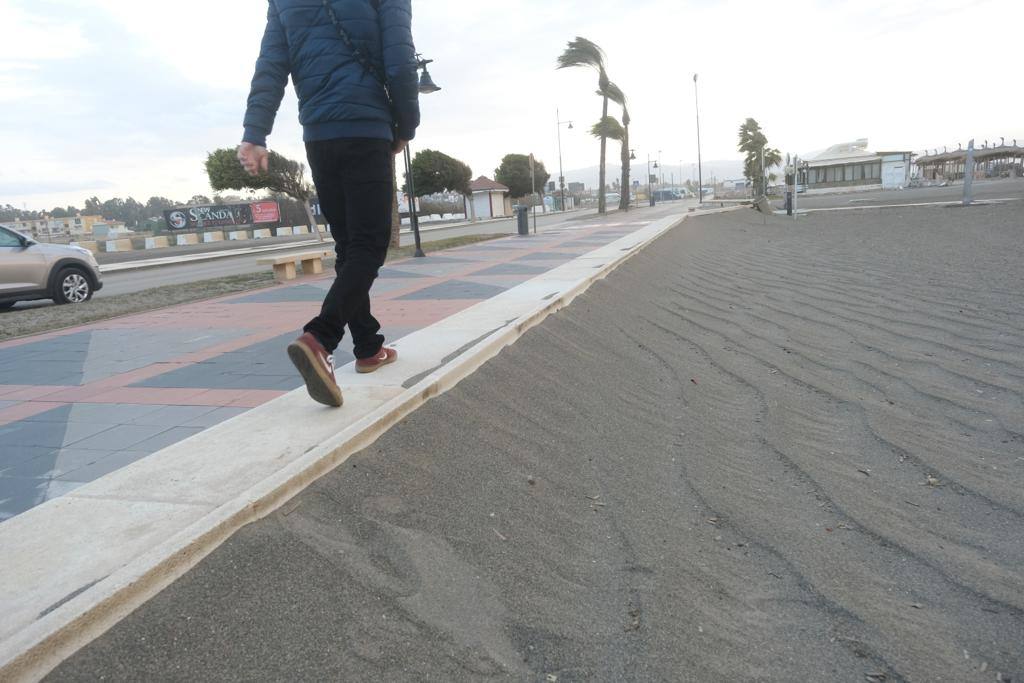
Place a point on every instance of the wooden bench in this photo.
(284, 266)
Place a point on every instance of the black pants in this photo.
(354, 180)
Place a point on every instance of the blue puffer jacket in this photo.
(337, 97)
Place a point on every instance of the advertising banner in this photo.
(225, 215)
(265, 212)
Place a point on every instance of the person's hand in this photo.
(398, 146)
(254, 159)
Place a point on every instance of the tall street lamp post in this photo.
(561, 175)
(700, 179)
(533, 192)
(650, 190)
(636, 196)
(426, 87)
(650, 185)
(764, 181)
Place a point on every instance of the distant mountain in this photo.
(731, 169)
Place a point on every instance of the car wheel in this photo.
(73, 287)
(4, 305)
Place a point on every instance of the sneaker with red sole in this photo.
(384, 357)
(317, 368)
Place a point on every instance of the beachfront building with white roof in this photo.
(851, 166)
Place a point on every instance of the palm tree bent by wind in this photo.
(615, 94)
(584, 53)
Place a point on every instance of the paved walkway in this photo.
(78, 404)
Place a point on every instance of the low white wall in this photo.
(117, 245)
(842, 190)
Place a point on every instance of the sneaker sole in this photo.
(319, 385)
(361, 370)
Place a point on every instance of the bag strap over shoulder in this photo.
(356, 51)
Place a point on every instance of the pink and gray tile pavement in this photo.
(80, 403)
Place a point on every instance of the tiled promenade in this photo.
(81, 403)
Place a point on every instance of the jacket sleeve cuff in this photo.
(255, 136)
(405, 133)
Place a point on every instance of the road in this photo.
(134, 281)
(428, 228)
(118, 257)
(762, 449)
(126, 282)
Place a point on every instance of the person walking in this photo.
(353, 66)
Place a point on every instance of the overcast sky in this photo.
(125, 97)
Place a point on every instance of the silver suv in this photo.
(30, 270)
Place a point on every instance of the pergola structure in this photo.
(991, 161)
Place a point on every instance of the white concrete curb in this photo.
(76, 565)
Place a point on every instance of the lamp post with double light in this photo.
(650, 184)
(561, 174)
(426, 87)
